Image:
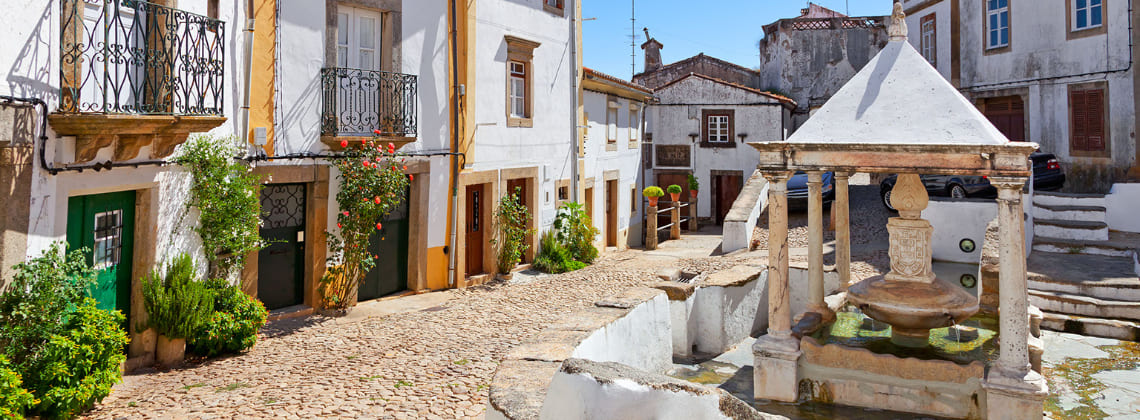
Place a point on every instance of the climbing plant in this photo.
(227, 195)
(511, 218)
(372, 184)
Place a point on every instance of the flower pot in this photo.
(693, 193)
(675, 196)
(653, 201)
(170, 351)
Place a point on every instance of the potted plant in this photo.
(652, 193)
(674, 192)
(694, 186)
(177, 305)
(511, 218)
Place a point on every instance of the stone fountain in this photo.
(910, 298)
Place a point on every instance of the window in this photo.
(518, 89)
(563, 193)
(634, 123)
(108, 239)
(1087, 119)
(929, 40)
(611, 122)
(212, 9)
(717, 128)
(358, 40)
(997, 19)
(520, 80)
(554, 6)
(1087, 14)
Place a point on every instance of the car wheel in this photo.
(886, 195)
(957, 191)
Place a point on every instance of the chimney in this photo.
(652, 52)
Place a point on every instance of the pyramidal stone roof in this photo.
(898, 98)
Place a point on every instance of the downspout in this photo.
(248, 70)
(574, 118)
(453, 254)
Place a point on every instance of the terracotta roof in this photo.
(783, 99)
(588, 72)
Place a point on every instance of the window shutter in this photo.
(1079, 108)
(1095, 119)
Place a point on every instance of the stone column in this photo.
(1014, 391)
(675, 220)
(650, 228)
(841, 208)
(815, 246)
(776, 354)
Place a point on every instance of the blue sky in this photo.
(725, 29)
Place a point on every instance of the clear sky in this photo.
(725, 29)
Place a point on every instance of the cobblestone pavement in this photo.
(431, 363)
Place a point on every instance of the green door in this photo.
(280, 265)
(390, 243)
(104, 225)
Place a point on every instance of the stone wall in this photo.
(741, 220)
(700, 64)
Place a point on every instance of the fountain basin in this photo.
(913, 308)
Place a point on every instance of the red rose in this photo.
(378, 226)
(411, 177)
(346, 214)
(391, 148)
(377, 132)
(363, 142)
(377, 199)
(344, 143)
(405, 167)
(338, 225)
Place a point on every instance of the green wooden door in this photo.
(390, 243)
(103, 224)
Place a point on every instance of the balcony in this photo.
(356, 103)
(134, 73)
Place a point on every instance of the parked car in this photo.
(798, 189)
(1047, 176)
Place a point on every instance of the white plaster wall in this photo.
(678, 114)
(550, 142)
(1122, 203)
(798, 283)
(581, 396)
(641, 339)
(737, 234)
(1039, 49)
(726, 315)
(954, 220)
(625, 159)
(943, 29)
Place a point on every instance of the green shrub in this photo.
(694, 185)
(176, 304)
(66, 350)
(13, 399)
(553, 257)
(674, 189)
(78, 367)
(511, 218)
(233, 326)
(653, 191)
(577, 232)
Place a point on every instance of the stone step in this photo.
(1095, 276)
(1096, 327)
(1069, 229)
(1068, 199)
(1065, 303)
(1070, 213)
(1073, 246)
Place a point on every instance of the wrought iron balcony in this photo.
(356, 103)
(135, 57)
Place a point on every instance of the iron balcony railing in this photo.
(135, 57)
(359, 102)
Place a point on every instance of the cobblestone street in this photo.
(430, 363)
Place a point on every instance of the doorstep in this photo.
(289, 312)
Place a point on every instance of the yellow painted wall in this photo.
(261, 104)
(436, 268)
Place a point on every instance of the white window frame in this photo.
(1089, 7)
(518, 74)
(997, 12)
(350, 43)
(611, 123)
(634, 123)
(719, 130)
(929, 37)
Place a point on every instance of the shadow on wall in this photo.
(30, 75)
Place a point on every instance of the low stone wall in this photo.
(741, 219)
(955, 220)
(1121, 203)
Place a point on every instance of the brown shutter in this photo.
(1078, 106)
(1095, 119)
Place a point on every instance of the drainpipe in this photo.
(574, 119)
(248, 70)
(453, 254)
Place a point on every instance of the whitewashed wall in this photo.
(955, 220)
(625, 159)
(1122, 203)
(640, 339)
(678, 114)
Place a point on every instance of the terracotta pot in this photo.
(675, 196)
(170, 351)
(653, 201)
(693, 193)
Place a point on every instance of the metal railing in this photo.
(358, 102)
(135, 57)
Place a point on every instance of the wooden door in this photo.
(664, 181)
(280, 265)
(390, 243)
(518, 186)
(725, 190)
(475, 227)
(1008, 115)
(611, 213)
(104, 225)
